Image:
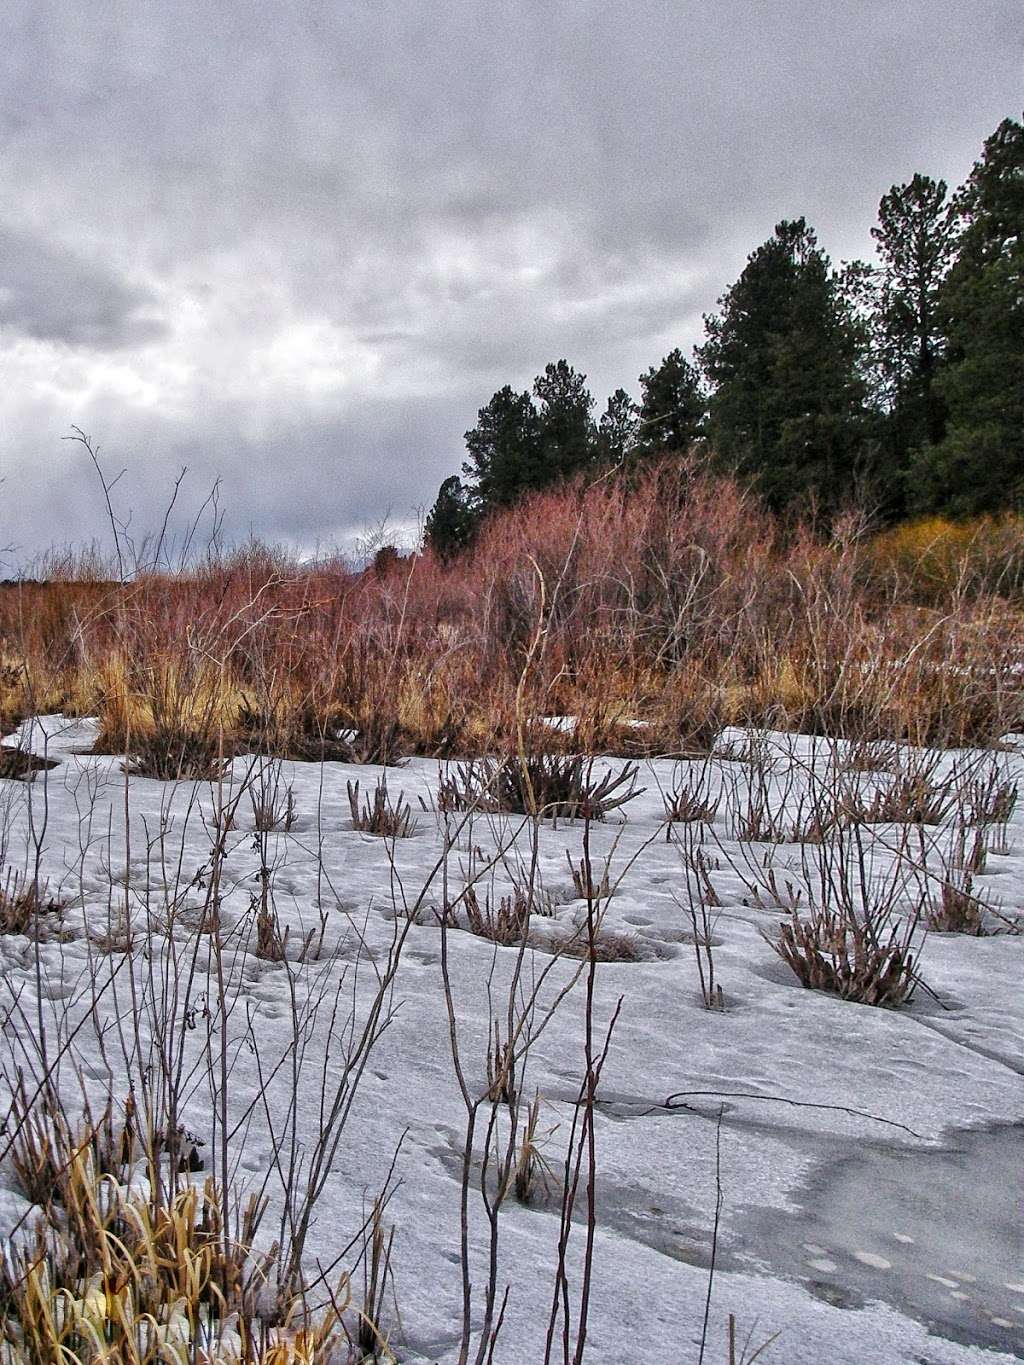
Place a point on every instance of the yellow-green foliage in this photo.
(933, 557)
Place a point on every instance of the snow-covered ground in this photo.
(869, 1160)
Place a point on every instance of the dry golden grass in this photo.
(112, 1276)
(609, 945)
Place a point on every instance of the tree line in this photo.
(900, 382)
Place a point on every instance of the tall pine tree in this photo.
(782, 358)
(567, 432)
(978, 466)
(506, 450)
(451, 522)
(915, 239)
(618, 429)
(518, 446)
(674, 406)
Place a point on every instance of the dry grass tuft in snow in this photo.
(25, 907)
(379, 815)
(870, 961)
(502, 919)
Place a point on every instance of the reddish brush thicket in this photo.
(670, 597)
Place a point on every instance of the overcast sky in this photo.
(298, 243)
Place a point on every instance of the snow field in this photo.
(819, 1117)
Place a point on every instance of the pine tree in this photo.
(567, 433)
(517, 446)
(672, 414)
(979, 464)
(916, 238)
(506, 450)
(618, 429)
(451, 522)
(783, 357)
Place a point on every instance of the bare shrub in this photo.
(502, 1086)
(870, 756)
(371, 1342)
(737, 749)
(130, 1260)
(704, 949)
(467, 786)
(273, 801)
(379, 739)
(912, 798)
(552, 785)
(175, 753)
(767, 893)
(765, 808)
(561, 786)
(288, 727)
(698, 865)
(756, 821)
(271, 941)
(21, 766)
(759, 821)
(701, 900)
(987, 800)
(919, 795)
(503, 919)
(698, 609)
(969, 850)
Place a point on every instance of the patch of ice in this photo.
(823, 1264)
(870, 1258)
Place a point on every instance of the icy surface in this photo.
(869, 1159)
(938, 1232)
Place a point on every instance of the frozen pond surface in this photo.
(936, 1234)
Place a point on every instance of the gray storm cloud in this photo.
(298, 246)
(50, 294)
